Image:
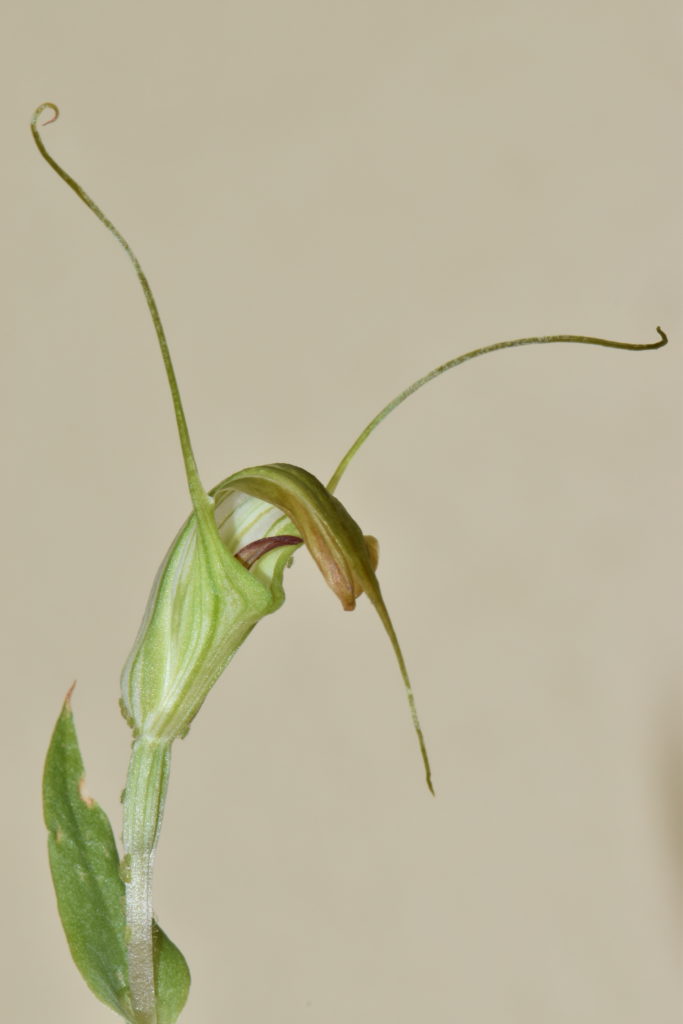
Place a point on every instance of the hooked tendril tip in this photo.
(39, 110)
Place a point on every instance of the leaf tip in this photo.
(67, 699)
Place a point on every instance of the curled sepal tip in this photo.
(39, 111)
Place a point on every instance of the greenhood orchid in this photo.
(222, 574)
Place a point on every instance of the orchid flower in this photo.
(222, 574)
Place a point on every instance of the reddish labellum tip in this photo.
(251, 553)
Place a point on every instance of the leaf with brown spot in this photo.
(86, 874)
(85, 870)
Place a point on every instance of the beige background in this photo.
(330, 199)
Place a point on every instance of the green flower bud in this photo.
(222, 574)
(203, 605)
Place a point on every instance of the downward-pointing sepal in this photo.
(345, 556)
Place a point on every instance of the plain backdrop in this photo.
(330, 199)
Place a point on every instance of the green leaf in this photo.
(172, 977)
(87, 877)
(85, 870)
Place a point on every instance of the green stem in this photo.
(554, 339)
(143, 807)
